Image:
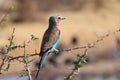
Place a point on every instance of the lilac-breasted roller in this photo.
(50, 39)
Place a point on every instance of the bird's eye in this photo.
(59, 17)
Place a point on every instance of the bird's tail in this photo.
(42, 60)
(37, 74)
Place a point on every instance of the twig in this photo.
(3, 18)
(79, 61)
(91, 45)
(26, 62)
(3, 60)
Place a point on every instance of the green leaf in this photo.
(30, 61)
(83, 58)
(70, 78)
(77, 66)
(14, 47)
(12, 8)
(6, 46)
(5, 20)
(34, 37)
(11, 42)
(75, 62)
(10, 57)
(27, 55)
(80, 65)
(9, 49)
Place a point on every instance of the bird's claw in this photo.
(56, 50)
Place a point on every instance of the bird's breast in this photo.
(58, 26)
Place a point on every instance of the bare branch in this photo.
(26, 63)
(3, 60)
(90, 45)
(3, 18)
(79, 61)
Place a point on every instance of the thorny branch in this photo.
(71, 75)
(10, 44)
(3, 17)
(26, 63)
(7, 58)
(89, 45)
(23, 59)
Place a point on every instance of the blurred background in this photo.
(86, 21)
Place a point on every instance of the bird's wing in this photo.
(48, 39)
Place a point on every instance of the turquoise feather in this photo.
(50, 40)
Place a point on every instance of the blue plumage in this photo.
(43, 57)
(56, 41)
(50, 39)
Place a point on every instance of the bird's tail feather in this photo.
(39, 66)
(42, 60)
(37, 74)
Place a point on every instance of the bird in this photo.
(50, 39)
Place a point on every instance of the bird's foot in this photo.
(56, 50)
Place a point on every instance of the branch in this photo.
(91, 45)
(10, 44)
(27, 62)
(3, 18)
(80, 59)
(11, 8)
(78, 65)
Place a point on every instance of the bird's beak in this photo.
(63, 18)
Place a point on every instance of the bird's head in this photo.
(55, 20)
